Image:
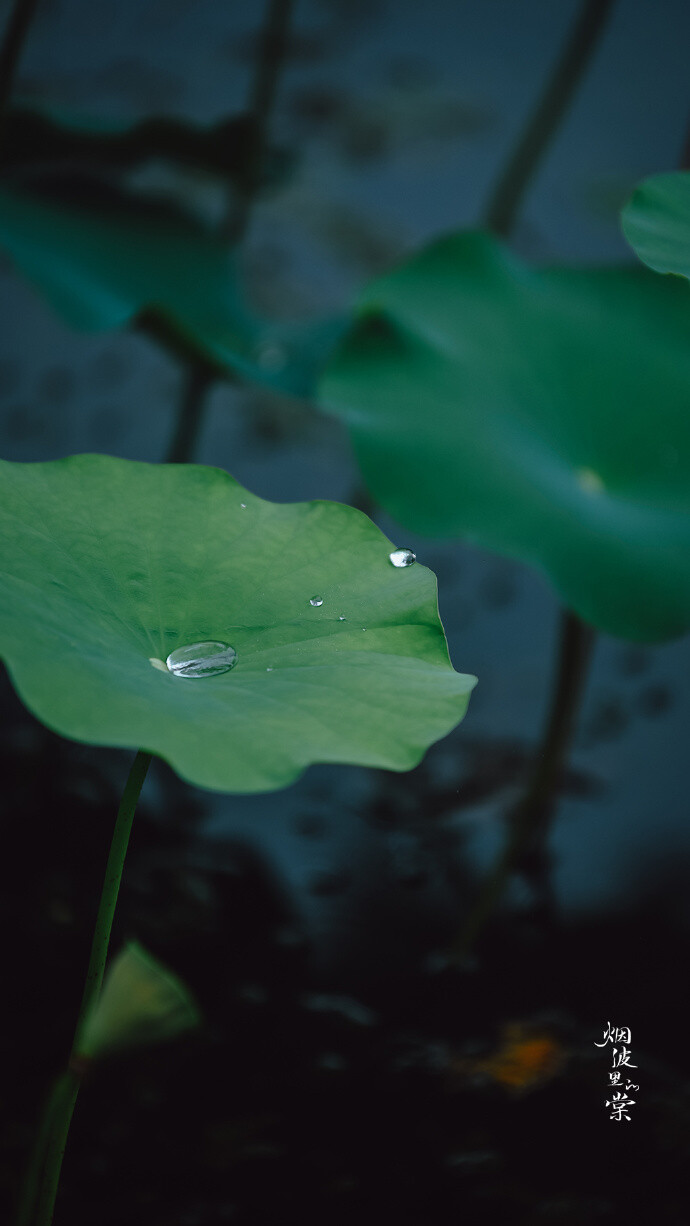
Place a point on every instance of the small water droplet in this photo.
(402, 557)
(342, 618)
(316, 601)
(363, 627)
(202, 659)
(270, 669)
(243, 506)
(589, 481)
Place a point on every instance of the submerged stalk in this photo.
(270, 59)
(529, 817)
(273, 41)
(11, 50)
(197, 382)
(542, 124)
(43, 1175)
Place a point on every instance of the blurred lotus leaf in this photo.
(111, 568)
(141, 1003)
(105, 256)
(540, 413)
(656, 222)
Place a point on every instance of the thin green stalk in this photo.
(507, 195)
(10, 52)
(52, 1136)
(34, 1170)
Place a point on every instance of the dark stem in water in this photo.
(529, 818)
(11, 50)
(43, 1174)
(271, 55)
(197, 381)
(273, 41)
(508, 193)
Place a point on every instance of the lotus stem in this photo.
(11, 50)
(38, 1200)
(529, 817)
(273, 41)
(559, 91)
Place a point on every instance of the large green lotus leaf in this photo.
(543, 414)
(656, 222)
(103, 257)
(109, 565)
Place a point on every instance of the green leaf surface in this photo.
(543, 414)
(108, 566)
(656, 222)
(104, 257)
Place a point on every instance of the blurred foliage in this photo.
(541, 413)
(656, 222)
(104, 255)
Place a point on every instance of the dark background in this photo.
(344, 1071)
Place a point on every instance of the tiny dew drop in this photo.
(269, 669)
(402, 557)
(243, 506)
(316, 601)
(342, 618)
(202, 659)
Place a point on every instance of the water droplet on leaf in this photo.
(316, 601)
(202, 659)
(342, 618)
(402, 557)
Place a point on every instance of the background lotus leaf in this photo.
(540, 413)
(656, 222)
(104, 257)
(109, 565)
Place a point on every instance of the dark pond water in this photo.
(400, 116)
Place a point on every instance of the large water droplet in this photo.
(316, 601)
(202, 659)
(402, 557)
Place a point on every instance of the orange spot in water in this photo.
(525, 1058)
